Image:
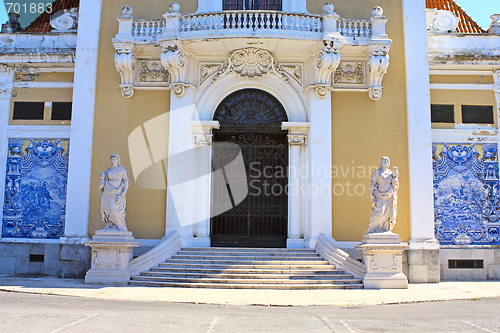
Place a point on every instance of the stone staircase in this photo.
(247, 268)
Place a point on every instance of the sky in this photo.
(479, 10)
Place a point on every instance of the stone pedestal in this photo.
(111, 252)
(383, 256)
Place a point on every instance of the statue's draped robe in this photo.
(112, 210)
(384, 211)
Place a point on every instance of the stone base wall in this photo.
(490, 270)
(423, 266)
(62, 260)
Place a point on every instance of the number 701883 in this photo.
(33, 7)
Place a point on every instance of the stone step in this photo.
(246, 249)
(251, 262)
(244, 258)
(185, 264)
(246, 286)
(244, 281)
(311, 276)
(322, 270)
(249, 253)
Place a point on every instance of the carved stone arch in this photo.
(210, 99)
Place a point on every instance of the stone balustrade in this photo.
(354, 28)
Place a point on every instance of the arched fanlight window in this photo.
(252, 5)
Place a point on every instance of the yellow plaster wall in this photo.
(44, 77)
(478, 79)
(463, 97)
(116, 117)
(364, 130)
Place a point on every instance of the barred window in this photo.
(252, 5)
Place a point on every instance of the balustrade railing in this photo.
(354, 28)
(251, 20)
(148, 28)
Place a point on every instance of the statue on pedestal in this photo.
(113, 185)
(384, 196)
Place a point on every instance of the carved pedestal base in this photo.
(383, 257)
(111, 252)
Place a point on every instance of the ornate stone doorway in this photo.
(252, 119)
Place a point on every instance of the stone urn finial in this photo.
(12, 24)
(495, 24)
(174, 7)
(127, 11)
(328, 8)
(377, 11)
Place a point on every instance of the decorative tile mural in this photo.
(35, 188)
(466, 193)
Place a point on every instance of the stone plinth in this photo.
(111, 252)
(383, 256)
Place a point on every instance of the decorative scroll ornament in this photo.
(125, 64)
(328, 60)
(152, 71)
(6, 81)
(207, 70)
(202, 140)
(377, 65)
(251, 63)
(172, 58)
(65, 20)
(350, 73)
(297, 140)
(292, 70)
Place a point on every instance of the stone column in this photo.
(6, 88)
(319, 163)
(297, 141)
(82, 122)
(202, 141)
(423, 257)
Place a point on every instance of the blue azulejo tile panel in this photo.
(466, 193)
(35, 188)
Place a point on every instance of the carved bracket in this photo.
(173, 59)
(125, 64)
(6, 81)
(377, 66)
(297, 140)
(327, 62)
(202, 140)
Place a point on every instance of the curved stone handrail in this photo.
(342, 260)
(251, 20)
(153, 257)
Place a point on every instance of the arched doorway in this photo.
(252, 118)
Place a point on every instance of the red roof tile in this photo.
(465, 23)
(42, 22)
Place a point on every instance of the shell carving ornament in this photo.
(251, 62)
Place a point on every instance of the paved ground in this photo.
(24, 312)
(415, 293)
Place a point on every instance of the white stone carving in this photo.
(378, 62)
(327, 62)
(349, 73)
(6, 81)
(384, 196)
(293, 70)
(495, 24)
(202, 140)
(152, 72)
(172, 58)
(441, 21)
(125, 64)
(496, 89)
(328, 8)
(65, 20)
(111, 252)
(113, 185)
(209, 69)
(383, 257)
(297, 140)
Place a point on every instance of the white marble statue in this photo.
(384, 196)
(113, 185)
